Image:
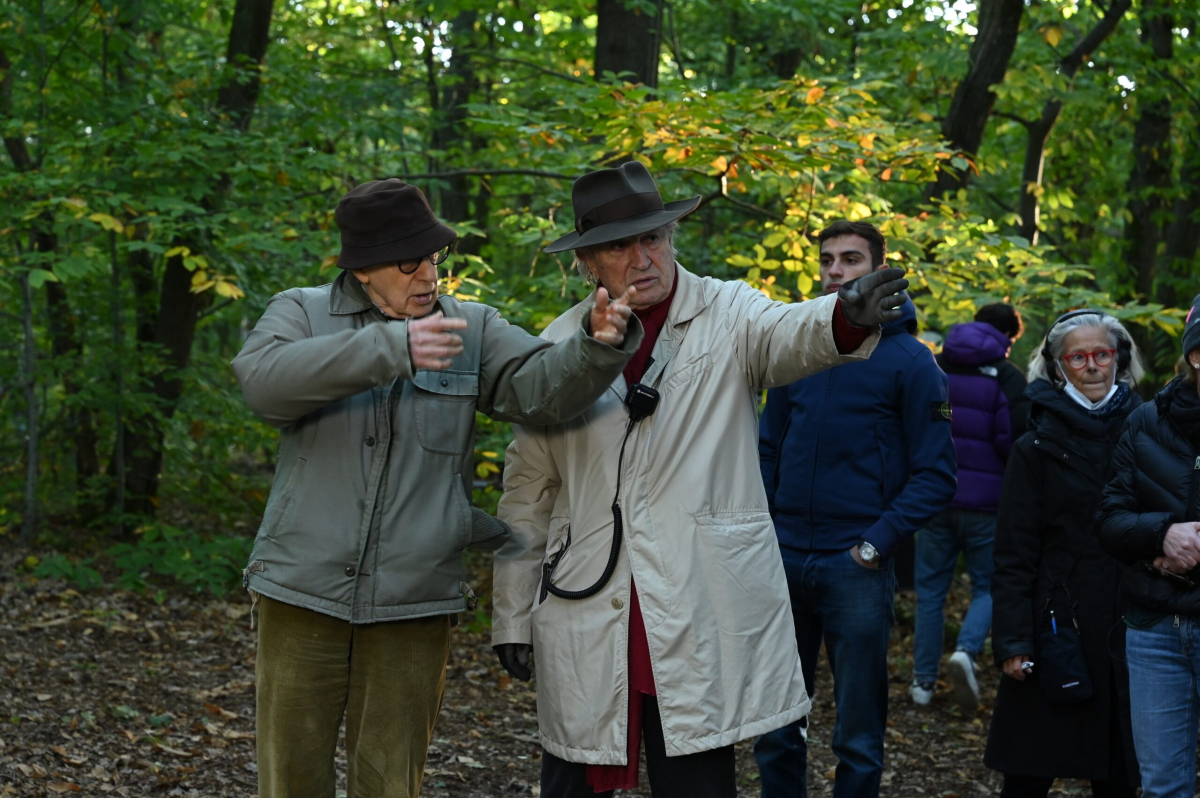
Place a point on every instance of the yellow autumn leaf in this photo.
(229, 290)
(814, 95)
(107, 222)
(867, 141)
(720, 163)
(1052, 35)
(199, 277)
(181, 251)
(925, 116)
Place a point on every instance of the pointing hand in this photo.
(611, 318)
(874, 298)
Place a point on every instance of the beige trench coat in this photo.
(698, 539)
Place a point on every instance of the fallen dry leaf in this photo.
(216, 710)
(63, 786)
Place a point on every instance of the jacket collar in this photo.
(689, 301)
(689, 297)
(347, 297)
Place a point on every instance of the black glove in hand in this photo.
(515, 659)
(874, 298)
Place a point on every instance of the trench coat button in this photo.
(350, 570)
(445, 382)
(370, 441)
(617, 604)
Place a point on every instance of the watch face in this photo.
(867, 552)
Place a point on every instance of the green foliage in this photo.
(201, 564)
(160, 552)
(78, 573)
(782, 116)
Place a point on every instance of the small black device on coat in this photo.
(641, 400)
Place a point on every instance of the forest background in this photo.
(170, 164)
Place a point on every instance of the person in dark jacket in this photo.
(854, 460)
(1006, 319)
(1051, 572)
(974, 358)
(1149, 521)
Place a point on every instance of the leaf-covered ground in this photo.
(109, 693)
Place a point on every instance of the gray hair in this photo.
(584, 254)
(1039, 368)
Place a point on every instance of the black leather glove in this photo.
(874, 298)
(515, 659)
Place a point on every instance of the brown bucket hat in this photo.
(611, 204)
(388, 221)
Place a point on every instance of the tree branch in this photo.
(1095, 37)
(485, 172)
(1013, 117)
(521, 62)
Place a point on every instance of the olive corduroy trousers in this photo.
(386, 679)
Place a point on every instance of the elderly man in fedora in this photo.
(643, 571)
(374, 381)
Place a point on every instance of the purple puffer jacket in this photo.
(982, 424)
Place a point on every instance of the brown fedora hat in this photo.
(387, 221)
(611, 204)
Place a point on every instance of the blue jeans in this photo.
(938, 546)
(1164, 692)
(850, 607)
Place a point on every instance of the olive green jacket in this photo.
(369, 512)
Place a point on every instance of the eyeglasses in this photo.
(1101, 357)
(437, 259)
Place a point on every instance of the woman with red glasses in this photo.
(1062, 708)
(1150, 521)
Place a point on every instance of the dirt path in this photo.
(111, 693)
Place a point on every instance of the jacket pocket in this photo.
(279, 510)
(445, 410)
(462, 506)
(556, 539)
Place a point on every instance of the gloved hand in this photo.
(515, 659)
(487, 532)
(874, 298)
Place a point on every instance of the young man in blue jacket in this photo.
(855, 460)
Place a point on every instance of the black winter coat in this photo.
(1156, 484)
(1045, 534)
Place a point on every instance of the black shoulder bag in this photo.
(1061, 665)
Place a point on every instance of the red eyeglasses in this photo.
(1101, 357)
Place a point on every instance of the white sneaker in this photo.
(921, 696)
(961, 671)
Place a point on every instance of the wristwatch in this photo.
(868, 553)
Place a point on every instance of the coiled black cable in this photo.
(613, 553)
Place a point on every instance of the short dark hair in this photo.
(1003, 317)
(870, 232)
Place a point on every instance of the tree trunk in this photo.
(988, 59)
(29, 519)
(1150, 177)
(249, 35)
(1177, 286)
(173, 328)
(68, 352)
(454, 199)
(1039, 131)
(629, 41)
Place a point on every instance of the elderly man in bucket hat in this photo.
(374, 382)
(643, 570)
